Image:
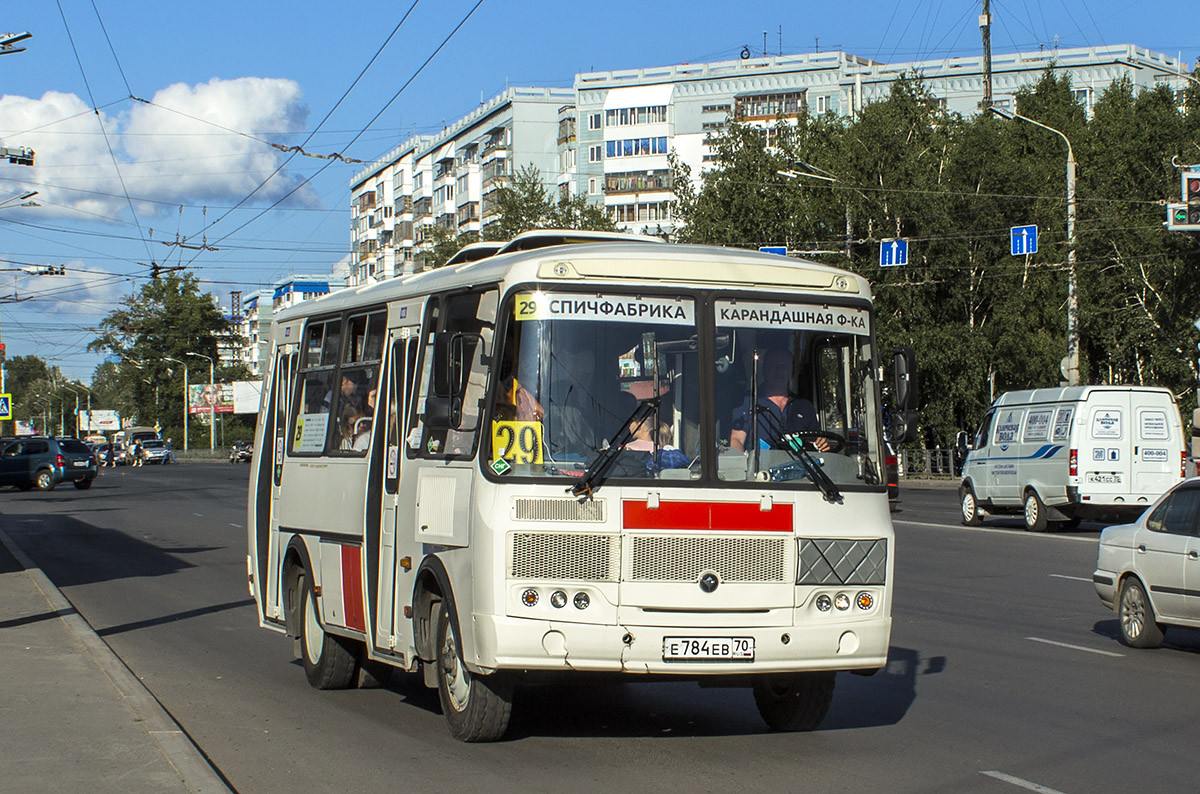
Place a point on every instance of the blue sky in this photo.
(221, 81)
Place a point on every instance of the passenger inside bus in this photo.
(778, 406)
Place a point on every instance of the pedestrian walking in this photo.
(137, 453)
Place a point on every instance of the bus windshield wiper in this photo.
(795, 447)
(597, 470)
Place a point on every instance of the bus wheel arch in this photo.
(295, 563)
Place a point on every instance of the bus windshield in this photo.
(580, 373)
(574, 370)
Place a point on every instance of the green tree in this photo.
(524, 204)
(169, 318)
(979, 318)
(446, 244)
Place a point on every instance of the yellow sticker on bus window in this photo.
(518, 442)
(528, 306)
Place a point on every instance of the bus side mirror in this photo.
(904, 417)
(452, 354)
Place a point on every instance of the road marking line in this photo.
(996, 531)
(1074, 647)
(201, 515)
(239, 526)
(1072, 578)
(1025, 784)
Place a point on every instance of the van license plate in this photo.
(1104, 478)
(708, 649)
(79, 463)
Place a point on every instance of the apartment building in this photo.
(610, 135)
(449, 180)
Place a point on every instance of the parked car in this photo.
(42, 463)
(241, 452)
(118, 451)
(155, 450)
(1142, 568)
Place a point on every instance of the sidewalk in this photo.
(72, 716)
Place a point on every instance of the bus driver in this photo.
(791, 412)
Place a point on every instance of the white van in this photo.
(1062, 455)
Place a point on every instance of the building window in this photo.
(624, 117)
(636, 147)
(715, 109)
(768, 106)
(823, 104)
(633, 181)
(642, 212)
(593, 121)
(592, 185)
(595, 153)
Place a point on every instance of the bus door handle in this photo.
(1194, 555)
(1141, 548)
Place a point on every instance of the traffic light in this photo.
(1191, 195)
(1185, 216)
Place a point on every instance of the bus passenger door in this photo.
(397, 554)
(270, 480)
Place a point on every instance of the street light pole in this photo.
(1072, 367)
(212, 404)
(72, 390)
(186, 407)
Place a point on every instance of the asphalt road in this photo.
(1005, 671)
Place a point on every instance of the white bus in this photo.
(543, 463)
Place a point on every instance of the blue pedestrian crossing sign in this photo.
(893, 253)
(1023, 240)
(5, 406)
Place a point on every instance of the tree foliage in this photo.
(524, 203)
(981, 320)
(169, 318)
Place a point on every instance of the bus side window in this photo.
(284, 378)
(472, 318)
(400, 391)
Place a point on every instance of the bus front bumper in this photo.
(522, 644)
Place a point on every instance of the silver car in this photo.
(155, 451)
(1149, 571)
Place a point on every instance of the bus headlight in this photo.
(558, 599)
(864, 600)
(823, 603)
(530, 597)
(582, 601)
(841, 601)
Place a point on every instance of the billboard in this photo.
(100, 421)
(210, 398)
(239, 397)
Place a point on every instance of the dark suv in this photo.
(43, 463)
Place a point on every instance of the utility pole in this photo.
(985, 28)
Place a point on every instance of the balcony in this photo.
(423, 207)
(468, 213)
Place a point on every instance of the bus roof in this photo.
(609, 264)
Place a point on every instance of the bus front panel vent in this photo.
(581, 557)
(558, 510)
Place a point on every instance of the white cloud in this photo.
(173, 150)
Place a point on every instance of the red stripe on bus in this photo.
(727, 516)
(352, 590)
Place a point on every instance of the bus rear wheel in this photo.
(329, 661)
(477, 708)
(794, 702)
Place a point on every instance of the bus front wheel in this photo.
(794, 702)
(477, 708)
(328, 661)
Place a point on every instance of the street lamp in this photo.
(70, 388)
(186, 407)
(212, 403)
(1072, 368)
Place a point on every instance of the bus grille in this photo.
(658, 558)
(562, 555)
(849, 562)
(528, 509)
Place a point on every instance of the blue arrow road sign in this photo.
(893, 253)
(1023, 240)
(773, 249)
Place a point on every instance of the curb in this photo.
(193, 768)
